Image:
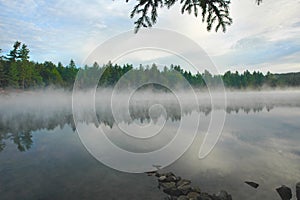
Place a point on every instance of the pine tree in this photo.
(1, 56)
(25, 72)
(23, 53)
(3, 75)
(72, 64)
(13, 75)
(13, 54)
(2, 72)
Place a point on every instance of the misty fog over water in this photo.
(39, 146)
(45, 104)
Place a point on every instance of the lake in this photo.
(42, 156)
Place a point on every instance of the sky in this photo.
(264, 38)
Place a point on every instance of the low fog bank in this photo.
(24, 112)
(51, 100)
(49, 106)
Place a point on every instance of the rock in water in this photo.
(180, 189)
(223, 195)
(298, 191)
(162, 178)
(183, 182)
(206, 196)
(193, 195)
(153, 173)
(173, 192)
(284, 192)
(252, 184)
(182, 197)
(167, 185)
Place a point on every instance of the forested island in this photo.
(18, 72)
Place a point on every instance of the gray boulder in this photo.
(284, 192)
(205, 196)
(162, 178)
(167, 185)
(196, 189)
(252, 184)
(222, 195)
(174, 192)
(193, 195)
(185, 189)
(183, 182)
(298, 191)
(182, 197)
(153, 173)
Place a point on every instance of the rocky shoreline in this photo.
(178, 188)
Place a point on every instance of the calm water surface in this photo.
(43, 158)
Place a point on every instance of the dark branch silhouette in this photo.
(212, 11)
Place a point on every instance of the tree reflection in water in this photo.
(18, 128)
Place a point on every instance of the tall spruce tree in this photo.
(25, 71)
(13, 75)
(13, 54)
(2, 71)
(3, 76)
(1, 56)
(23, 53)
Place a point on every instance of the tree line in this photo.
(16, 71)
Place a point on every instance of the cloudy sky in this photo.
(265, 37)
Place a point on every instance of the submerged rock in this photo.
(185, 189)
(172, 192)
(223, 195)
(284, 192)
(298, 191)
(162, 178)
(193, 195)
(183, 182)
(182, 197)
(196, 189)
(180, 189)
(252, 184)
(153, 173)
(167, 185)
(205, 196)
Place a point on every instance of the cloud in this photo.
(59, 30)
(258, 53)
(256, 50)
(260, 35)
